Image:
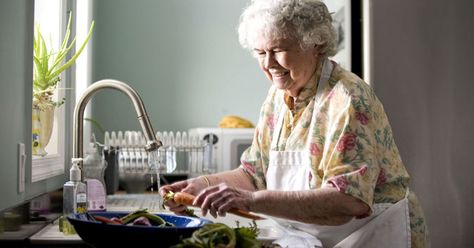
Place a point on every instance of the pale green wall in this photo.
(16, 67)
(182, 56)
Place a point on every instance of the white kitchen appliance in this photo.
(229, 144)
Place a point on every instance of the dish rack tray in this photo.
(181, 154)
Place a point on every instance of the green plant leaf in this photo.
(96, 124)
(48, 65)
(69, 63)
(64, 49)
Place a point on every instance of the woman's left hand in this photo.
(221, 198)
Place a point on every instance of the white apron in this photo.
(388, 225)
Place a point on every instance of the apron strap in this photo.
(278, 128)
(323, 81)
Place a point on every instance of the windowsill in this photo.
(46, 167)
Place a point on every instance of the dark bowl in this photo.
(99, 234)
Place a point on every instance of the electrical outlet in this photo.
(21, 167)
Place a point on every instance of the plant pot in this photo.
(36, 147)
(43, 121)
(46, 118)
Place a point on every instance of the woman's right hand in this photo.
(192, 186)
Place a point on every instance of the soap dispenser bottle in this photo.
(74, 196)
(94, 167)
(74, 191)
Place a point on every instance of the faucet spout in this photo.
(78, 125)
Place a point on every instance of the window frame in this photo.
(54, 164)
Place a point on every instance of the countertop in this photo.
(50, 234)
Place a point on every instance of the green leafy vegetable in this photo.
(247, 236)
(221, 235)
(190, 212)
(157, 220)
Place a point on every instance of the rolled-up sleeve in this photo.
(252, 162)
(349, 156)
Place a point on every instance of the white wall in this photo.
(423, 61)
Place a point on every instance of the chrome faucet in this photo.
(78, 125)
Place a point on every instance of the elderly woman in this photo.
(323, 159)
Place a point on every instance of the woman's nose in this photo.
(269, 61)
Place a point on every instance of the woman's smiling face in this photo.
(285, 63)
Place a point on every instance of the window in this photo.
(51, 18)
(84, 62)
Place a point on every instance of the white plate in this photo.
(267, 233)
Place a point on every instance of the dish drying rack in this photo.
(181, 154)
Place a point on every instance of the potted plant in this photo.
(48, 66)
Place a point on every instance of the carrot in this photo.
(184, 198)
(187, 199)
(107, 220)
(245, 214)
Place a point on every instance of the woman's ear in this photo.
(316, 50)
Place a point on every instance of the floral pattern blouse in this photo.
(350, 142)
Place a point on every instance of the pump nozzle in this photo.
(75, 171)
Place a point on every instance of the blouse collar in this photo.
(307, 93)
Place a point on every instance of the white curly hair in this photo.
(307, 21)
